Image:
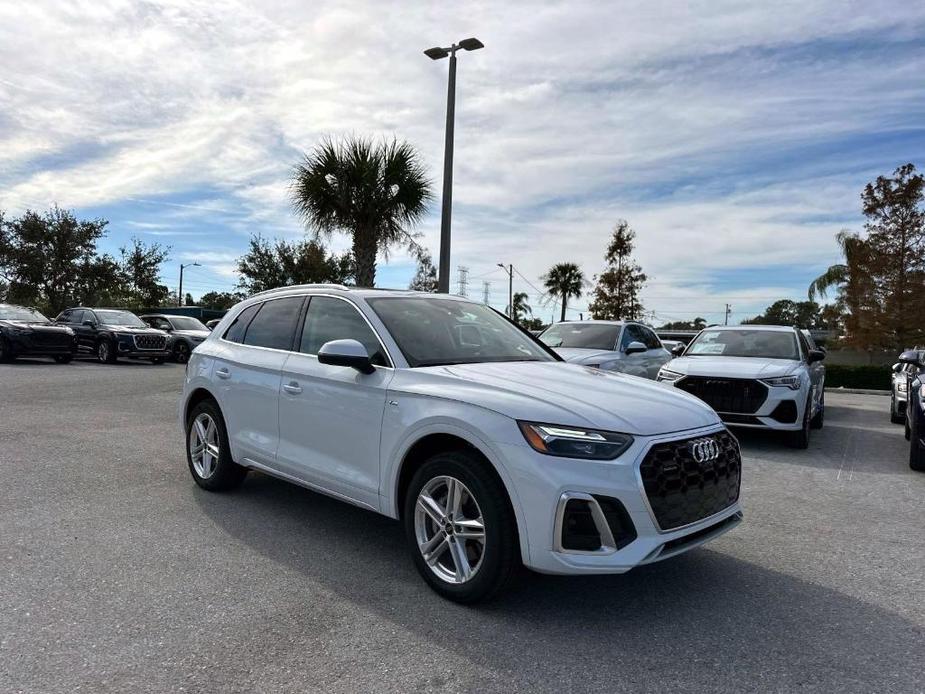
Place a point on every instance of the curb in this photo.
(858, 391)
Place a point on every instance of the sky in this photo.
(734, 137)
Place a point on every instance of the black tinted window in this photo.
(650, 339)
(274, 324)
(581, 335)
(235, 332)
(73, 317)
(333, 319)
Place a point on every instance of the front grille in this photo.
(51, 339)
(151, 342)
(739, 395)
(681, 490)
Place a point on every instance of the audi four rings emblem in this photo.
(704, 450)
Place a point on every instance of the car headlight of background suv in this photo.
(791, 382)
(668, 376)
(573, 442)
(902, 386)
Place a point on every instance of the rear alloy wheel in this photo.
(106, 352)
(800, 439)
(460, 527)
(207, 451)
(181, 352)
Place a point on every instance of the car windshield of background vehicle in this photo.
(744, 343)
(437, 332)
(186, 323)
(22, 314)
(582, 335)
(120, 318)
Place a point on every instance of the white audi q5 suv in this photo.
(440, 412)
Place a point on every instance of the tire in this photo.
(181, 352)
(895, 417)
(492, 560)
(106, 352)
(819, 419)
(212, 472)
(64, 358)
(916, 451)
(6, 354)
(800, 439)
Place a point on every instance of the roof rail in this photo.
(277, 290)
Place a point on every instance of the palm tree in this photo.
(521, 307)
(374, 192)
(851, 279)
(564, 280)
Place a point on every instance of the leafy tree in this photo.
(564, 280)
(373, 192)
(267, 266)
(425, 279)
(188, 300)
(802, 314)
(140, 267)
(616, 295)
(49, 259)
(220, 301)
(532, 324)
(696, 324)
(521, 308)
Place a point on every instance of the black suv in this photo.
(112, 333)
(915, 407)
(24, 332)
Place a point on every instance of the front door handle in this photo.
(223, 373)
(292, 388)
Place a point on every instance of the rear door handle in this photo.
(223, 373)
(292, 388)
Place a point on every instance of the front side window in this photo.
(766, 344)
(127, 318)
(156, 322)
(335, 319)
(581, 335)
(274, 324)
(185, 323)
(433, 331)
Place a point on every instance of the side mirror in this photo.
(678, 350)
(635, 348)
(910, 357)
(346, 353)
(89, 324)
(816, 355)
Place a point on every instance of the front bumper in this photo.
(545, 485)
(781, 410)
(26, 345)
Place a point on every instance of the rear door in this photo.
(247, 373)
(330, 417)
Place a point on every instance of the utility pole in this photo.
(437, 53)
(180, 290)
(510, 289)
(728, 311)
(462, 281)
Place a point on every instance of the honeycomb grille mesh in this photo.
(681, 490)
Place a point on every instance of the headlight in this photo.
(902, 386)
(68, 331)
(569, 442)
(791, 382)
(668, 375)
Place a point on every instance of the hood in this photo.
(582, 355)
(133, 330)
(732, 367)
(557, 393)
(35, 325)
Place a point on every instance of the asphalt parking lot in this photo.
(119, 574)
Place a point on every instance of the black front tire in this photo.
(819, 419)
(181, 352)
(501, 556)
(895, 417)
(6, 354)
(227, 474)
(64, 358)
(800, 439)
(916, 451)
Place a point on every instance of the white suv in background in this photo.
(625, 346)
(761, 376)
(442, 413)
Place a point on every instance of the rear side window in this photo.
(334, 319)
(274, 324)
(235, 332)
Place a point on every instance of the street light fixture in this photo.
(438, 53)
(510, 288)
(180, 290)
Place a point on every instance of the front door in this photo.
(330, 417)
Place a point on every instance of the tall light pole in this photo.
(510, 289)
(438, 53)
(180, 290)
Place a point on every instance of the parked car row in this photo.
(912, 368)
(107, 334)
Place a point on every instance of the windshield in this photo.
(21, 313)
(186, 323)
(744, 343)
(583, 335)
(120, 318)
(431, 331)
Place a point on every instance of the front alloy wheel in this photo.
(105, 352)
(449, 529)
(181, 352)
